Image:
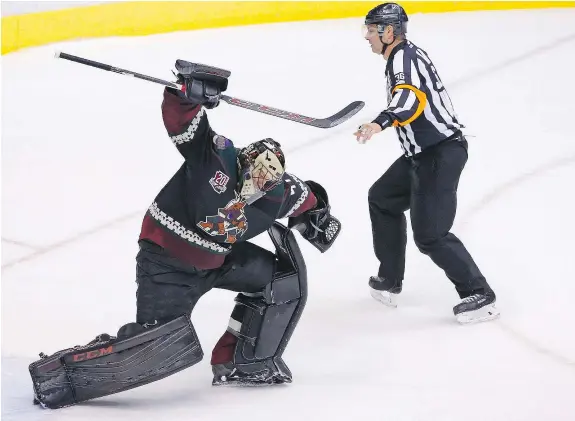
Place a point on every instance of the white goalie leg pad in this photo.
(385, 297)
(483, 314)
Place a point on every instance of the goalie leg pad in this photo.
(264, 322)
(111, 365)
(263, 326)
(269, 320)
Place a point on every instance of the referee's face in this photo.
(371, 35)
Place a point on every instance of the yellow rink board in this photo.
(145, 18)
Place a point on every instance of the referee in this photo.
(424, 180)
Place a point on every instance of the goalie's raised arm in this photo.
(184, 110)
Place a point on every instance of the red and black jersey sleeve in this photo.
(188, 127)
(298, 197)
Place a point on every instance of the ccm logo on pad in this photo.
(93, 354)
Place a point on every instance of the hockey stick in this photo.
(324, 123)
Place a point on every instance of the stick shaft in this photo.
(109, 68)
(324, 123)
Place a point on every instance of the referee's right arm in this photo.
(407, 101)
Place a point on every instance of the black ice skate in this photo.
(476, 308)
(263, 374)
(384, 291)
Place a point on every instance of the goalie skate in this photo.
(266, 373)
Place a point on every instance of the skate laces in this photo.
(471, 298)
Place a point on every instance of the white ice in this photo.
(84, 152)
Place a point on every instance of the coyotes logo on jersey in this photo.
(230, 221)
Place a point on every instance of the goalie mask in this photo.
(261, 166)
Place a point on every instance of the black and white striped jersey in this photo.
(418, 105)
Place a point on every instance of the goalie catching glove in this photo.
(317, 225)
(202, 84)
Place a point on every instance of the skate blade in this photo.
(483, 314)
(244, 383)
(241, 384)
(385, 297)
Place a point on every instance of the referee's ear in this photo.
(388, 34)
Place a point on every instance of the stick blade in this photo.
(322, 123)
(339, 117)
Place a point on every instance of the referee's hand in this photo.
(366, 131)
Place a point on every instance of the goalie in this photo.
(194, 238)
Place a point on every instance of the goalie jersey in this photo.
(198, 215)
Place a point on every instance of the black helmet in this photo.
(388, 14)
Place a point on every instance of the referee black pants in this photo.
(426, 185)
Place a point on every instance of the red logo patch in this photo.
(219, 182)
